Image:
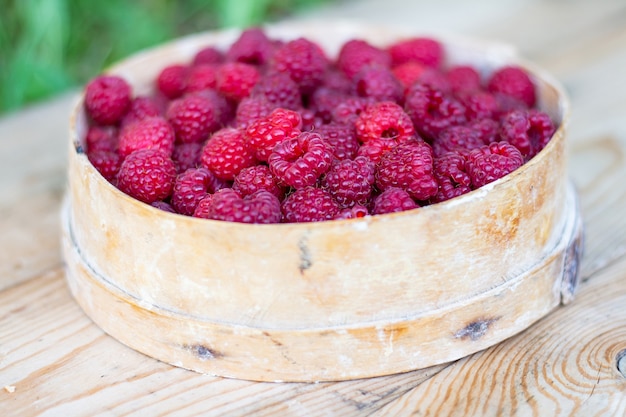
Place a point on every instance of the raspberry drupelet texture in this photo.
(374, 149)
(141, 107)
(384, 120)
(252, 47)
(189, 188)
(150, 133)
(431, 111)
(436, 80)
(457, 138)
(251, 109)
(203, 207)
(356, 54)
(107, 98)
(350, 108)
(186, 155)
(527, 130)
(425, 51)
(450, 173)
(304, 61)
(147, 175)
(393, 200)
(226, 153)
(201, 77)
(408, 166)
(355, 212)
(491, 162)
(324, 101)
(480, 105)
(258, 177)
(513, 81)
(193, 117)
(408, 73)
(378, 83)
(300, 162)
(265, 133)
(261, 207)
(488, 129)
(309, 204)
(172, 81)
(463, 79)
(341, 138)
(350, 182)
(235, 80)
(101, 138)
(106, 162)
(280, 90)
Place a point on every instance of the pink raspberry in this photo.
(304, 61)
(193, 117)
(162, 205)
(491, 162)
(457, 138)
(450, 173)
(172, 81)
(226, 153)
(337, 81)
(374, 149)
(261, 207)
(341, 138)
(323, 102)
(513, 81)
(189, 188)
(186, 155)
(280, 90)
(436, 80)
(150, 133)
(350, 182)
(379, 83)
(141, 107)
(101, 138)
(488, 129)
(507, 104)
(529, 131)
(208, 55)
(393, 200)
(356, 54)
(107, 98)
(408, 166)
(408, 73)
(265, 133)
(252, 47)
(310, 120)
(425, 51)
(384, 120)
(463, 79)
(258, 177)
(251, 109)
(348, 111)
(203, 208)
(106, 162)
(309, 205)
(355, 212)
(235, 80)
(299, 162)
(479, 105)
(431, 111)
(201, 77)
(147, 175)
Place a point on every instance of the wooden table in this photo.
(55, 361)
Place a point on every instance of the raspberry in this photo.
(323, 101)
(200, 77)
(162, 205)
(350, 182)
(251, 109)
(435, 79)
(309, 205)
(258, 177)
(265, 133)
(384, 120)
(350, 108)
(141, 108)
(106, 162)
(304, 61)
(150, 133)
(190, 187)
(463, 79)
(226, 153)
(310, 120)
(107, 98)
(300, 161)
(374, 149)
(259, 207)
(457, 138)
(193, 117)
(408, 73)
(203, 207)
(513, 81)
(488, 129)
(172, 81)
(337, 81)
(408, 166)
(493, 161)
(393, 200)
(341, 138)
(355, 212)
(451, 176)
(424, 51)
(208, 55)
(252, 47)
(507, 104)
(235, 80)
(378, 83)
(479, 105)
(101, 138)
(431, 111)
(147, 175)
(280, 90)
(356, 54)
(186, 155)
(529, 131)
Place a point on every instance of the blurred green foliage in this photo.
(47, 46)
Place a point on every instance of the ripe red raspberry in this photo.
(488, 129)
(101, 138)
(252, 47)
(150, 133)
(172, 81)
(450, 173)
(258, 177)
(235, 80)
(479, 105)
(280, 90)
(186, 155)
(324, 101)
(341, 138)
(408, 166)
(107, 98)
(457, 138)
(337, 81)
(436, 80)
(375, 149)
(408, 73)
(350, 182)
(141, 107)
(507, 104)
(203, 207)
(261, 207)
(355, 212)
(350, 108)
(513, 81)
(208, 55)
(189, 188)
(300, 161)
(431, 111)
(309, 205)
(304, 61)
(251, 109)
(378, 83)
(491, 162)
(393, 200)
(193, 117)
(162, 205)
(263, 134)
(226, 153)
(200, 77)
(384, 120)
(356, 54)
(147, 175)
(106, 162)
(463, 79)
(425, 51)
(529, 131)
(310, 120)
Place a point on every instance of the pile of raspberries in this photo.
(272, 131)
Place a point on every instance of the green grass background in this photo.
(48, 46)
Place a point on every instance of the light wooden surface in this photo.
(55, 361)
